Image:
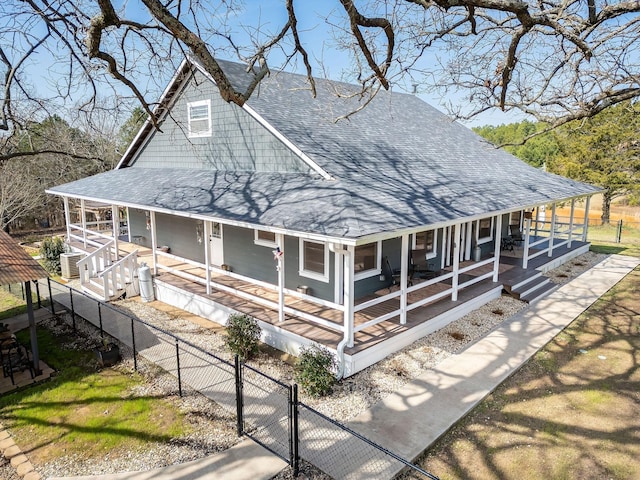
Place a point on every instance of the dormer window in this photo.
(199, 116)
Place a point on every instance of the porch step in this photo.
(548, 288)
(533, 289)
(95, 288)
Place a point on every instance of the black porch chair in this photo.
(516, 235)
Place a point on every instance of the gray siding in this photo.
(256, 261)
(238, 142)
(177, 233)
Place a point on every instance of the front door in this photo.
(215, 244)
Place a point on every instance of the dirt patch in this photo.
(573, 412)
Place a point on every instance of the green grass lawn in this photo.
(86, 411)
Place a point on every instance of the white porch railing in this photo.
(428, 299)
(96, 262)
(253, 297)
(563, 234)
(119, 274)
(84, 238)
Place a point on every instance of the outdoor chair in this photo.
(420, 266)
(516, 235)
(15, 358)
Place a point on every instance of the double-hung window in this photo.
(199, 116)
(485, 230)
(266, 239)
(367, 260)
(314, 260)
(426, 240)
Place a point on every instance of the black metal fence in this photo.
(267, 410)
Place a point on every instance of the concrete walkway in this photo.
(413, 418)
(410, 420)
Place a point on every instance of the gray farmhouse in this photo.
(362, 234)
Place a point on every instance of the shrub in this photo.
(243, 335)
(314, 370)
(50, 251)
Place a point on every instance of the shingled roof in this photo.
(16, 265)
(398, 164)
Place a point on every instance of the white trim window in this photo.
(199, 118)
(427, 240)
(484, 227)
(367, 260)
(314, 260)
(264, 238)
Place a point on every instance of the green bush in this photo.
(50, 251)
(314, 370)
(243, 335)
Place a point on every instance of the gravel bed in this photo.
(350, 397)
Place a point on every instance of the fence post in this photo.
(133, 345)
(53, 310)
(239, 405)
(100, 319)
(178, 364)
(619, 232)
(73, 312)
(293, 431)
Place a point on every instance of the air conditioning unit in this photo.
(68, 265)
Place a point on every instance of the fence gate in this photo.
(264, 412)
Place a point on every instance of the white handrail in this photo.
(119, 274)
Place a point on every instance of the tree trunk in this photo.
(606, 207)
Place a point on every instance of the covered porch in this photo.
(361, 329)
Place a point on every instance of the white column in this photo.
(154, 242)
(280, 267)
(445, 236)
(448, 240)
(456, 261)
(573, 207)
(84, 223)
(404, 272)
(339, 275)
(553, 228)
(496, 250)
(67, 217)
(585, 227)
(535, 232)
(525, 247)
(115, 226)
(467, 242)
(349, 295)
(207, 253)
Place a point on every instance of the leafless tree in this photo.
(557, 60)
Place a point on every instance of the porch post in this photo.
(535, 229)
(525, 247)
(338, 291)
(67, 217)
(552, 233)
(115, 226)
(496, 249)
(456, 261)
(207, 252)
(280, 268)
(573, 207)
(404, 267)
(585, 226)
(467, 242)
(154, 247)
(84, 223)
(349, 267)
(445, 236)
